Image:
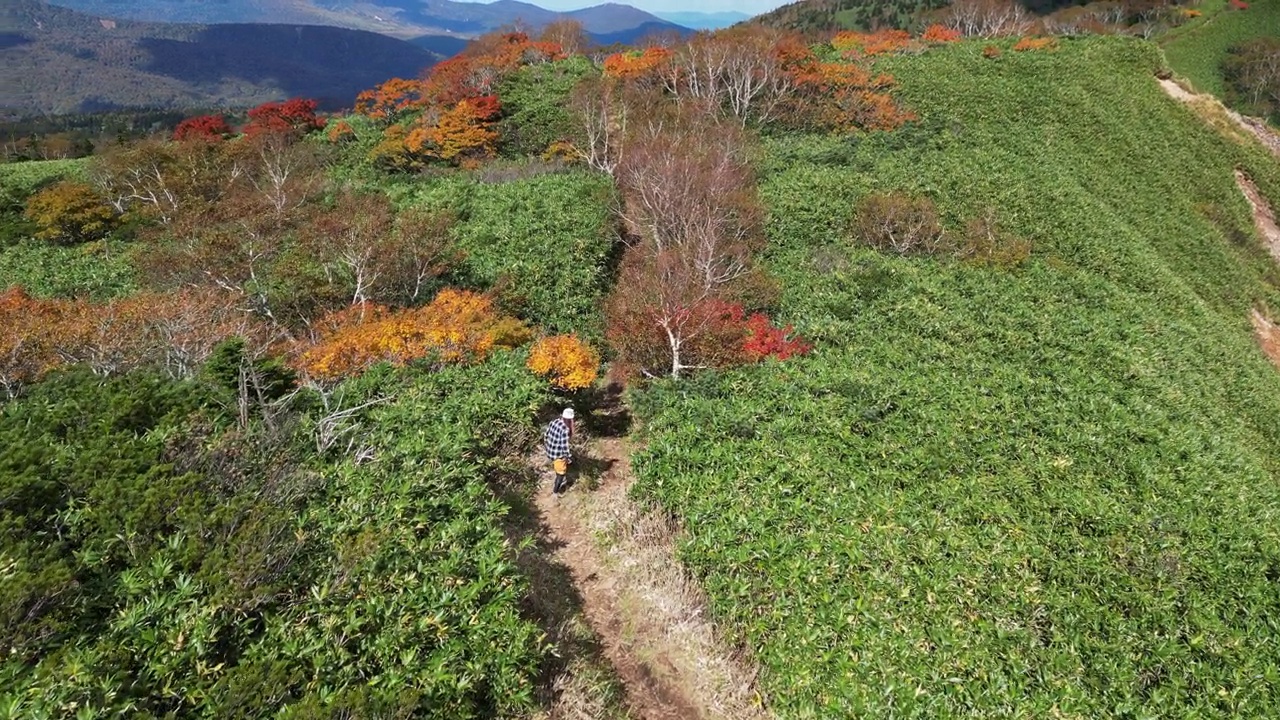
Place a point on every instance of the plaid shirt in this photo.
(556, 439)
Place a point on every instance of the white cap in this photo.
(567, 414)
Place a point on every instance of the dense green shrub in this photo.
(988, 493)
(192, 568)
(26, 177)
(85, 488)
(535, 102)
(543, 241)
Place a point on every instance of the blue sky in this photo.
(750, 7)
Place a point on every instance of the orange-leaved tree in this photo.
(465, 131)
(457, 326)
(27, 350)
(636, 64)
(566, 360)
(939, 33)
(392, 98)
(1030, 44)
(477, 71)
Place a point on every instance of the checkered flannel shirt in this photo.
(556, 440)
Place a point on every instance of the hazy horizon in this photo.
(749, 7)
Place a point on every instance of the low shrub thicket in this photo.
(543, 243)
(97, 271)
(162, 562)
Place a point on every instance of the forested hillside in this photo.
(398, 18)
(827, 15)
(59, 61)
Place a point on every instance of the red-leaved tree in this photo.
(296, 116)
(209, 128)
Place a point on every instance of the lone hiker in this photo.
(556, 440)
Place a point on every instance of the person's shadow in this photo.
(588, 471)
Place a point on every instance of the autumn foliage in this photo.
(636, 64)
(938, 33)
(209, 128)
(462, 132)
(882, 42)
(713, 333)
(766, 340)
(455, 327)
(1031, 44)
(174, 331)
(766, 76)
(70, 212)
(296, 116)
(456, 102)
(339, 132)
(392, 98)
(565, 360)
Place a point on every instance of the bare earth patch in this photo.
(1268, 336)
(649, 616)
(1217, 114)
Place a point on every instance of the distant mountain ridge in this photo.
(704, 20)
(399, 18)
(54, 61)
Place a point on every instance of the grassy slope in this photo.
(1196, 50)
(994, 494)
(543, 238)
(99, 270)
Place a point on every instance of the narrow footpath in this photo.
(649, 617)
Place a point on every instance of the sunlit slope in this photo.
(1052, 492)
(1196, 50)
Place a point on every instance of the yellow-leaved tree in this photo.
(70, 212)
(567, 361)
(457, 326)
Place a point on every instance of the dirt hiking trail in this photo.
(1264, 218)
(648, 616)
(1212, 110)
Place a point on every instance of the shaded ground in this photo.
(1264, 218)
